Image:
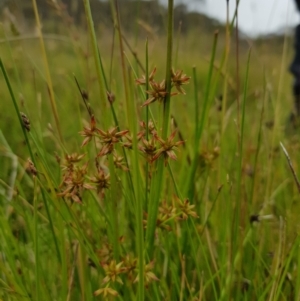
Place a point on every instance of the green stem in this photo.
(196, 99)
(96, 56)
(199, 130)
(7, 81)
(157, 183)
(113, 111)
(36, 243)
(48, 75)
(235, 234)
(103, 107)
(138, 198)
(147, 123)
(167, 102)
(136, 193)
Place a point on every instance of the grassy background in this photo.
(54, 249)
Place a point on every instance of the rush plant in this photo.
(151, 185)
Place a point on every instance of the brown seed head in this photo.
(25, 121)
(30, 168)
(179, 79)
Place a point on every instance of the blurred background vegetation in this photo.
(148, 14)
(67, 42)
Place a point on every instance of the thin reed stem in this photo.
(36, 243)
(7, 81)
(189, 189)
(103, 106)
(147, 125)
(97, 57)
(237, 58)
(158, 181)
(48, 75)
(238, 244)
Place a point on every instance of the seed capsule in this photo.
(26, 122)
(30, 168)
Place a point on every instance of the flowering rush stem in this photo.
(96, 55)
(10, 89)
(103, 107)
(157, 185)
(167, 101)
(48, 76)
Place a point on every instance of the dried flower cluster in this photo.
(77, 178)
(207, 158)
(101, 180)
(155, 147)
(127, 267)
(179, 210)
(74, 181)
(158, 90)
(107, 140)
